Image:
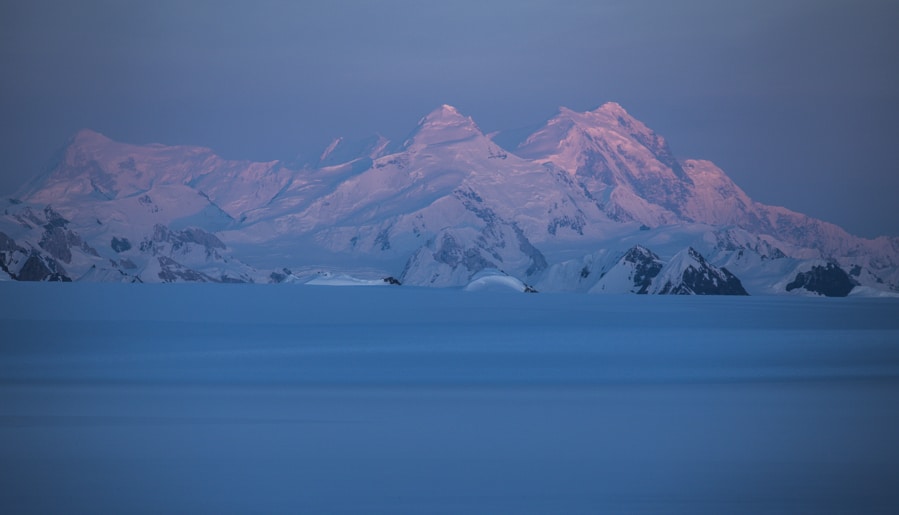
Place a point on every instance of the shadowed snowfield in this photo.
(305, 399)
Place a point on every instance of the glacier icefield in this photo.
(313, 399)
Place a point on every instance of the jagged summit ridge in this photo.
(586, 193)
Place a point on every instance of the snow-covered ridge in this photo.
(570, 204)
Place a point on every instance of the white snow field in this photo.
(310, 399)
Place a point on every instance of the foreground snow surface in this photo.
(304, 399)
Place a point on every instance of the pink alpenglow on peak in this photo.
(85, 137)
(444, 125)
(445, 114)
(559, 212)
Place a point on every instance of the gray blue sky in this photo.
(797, 100)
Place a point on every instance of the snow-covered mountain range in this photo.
(590, 202)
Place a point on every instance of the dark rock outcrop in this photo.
(829, 280)
(172, 271)
(38, 268)
(646, 267)
(704, 279)
(120, 244)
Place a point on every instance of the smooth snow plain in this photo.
(312, 399)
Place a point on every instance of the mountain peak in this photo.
(561, 131)
(445, 125)
(88, 137)
(445, 114)
(446, 206)
(610, 115)
(612, 108)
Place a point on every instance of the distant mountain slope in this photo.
(433, 210)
